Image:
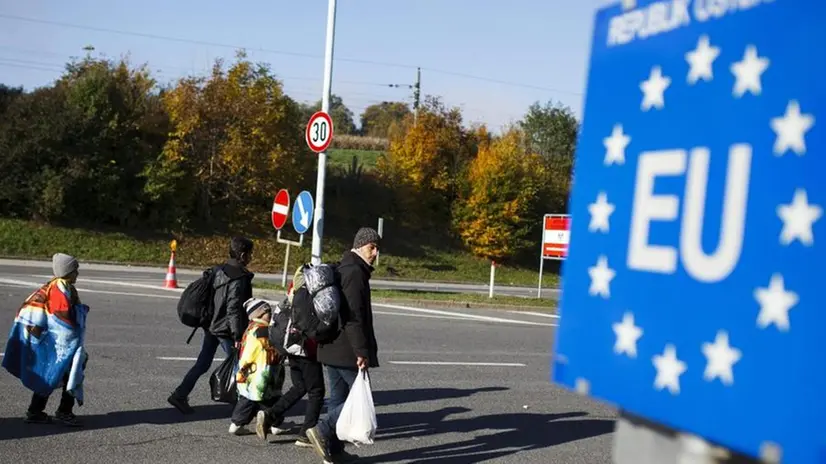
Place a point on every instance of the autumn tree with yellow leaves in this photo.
(425, 161)
(503, 194)
(236, 139)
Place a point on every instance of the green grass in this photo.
(416, 262)
(474, 299)
(344, 157)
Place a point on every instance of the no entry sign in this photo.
(280, 209)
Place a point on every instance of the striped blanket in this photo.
(45, 338)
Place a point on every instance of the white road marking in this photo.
(22, 283)
(428, 316)
(462, 315)
(533, 313)
(160, 286)
(444, 363)
(434, 313)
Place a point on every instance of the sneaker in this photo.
(238, 430)
(181, 404)
(262, 426)
(68, 419)
(319, 442)
(303, 442)
(37, 418)
(279, 430)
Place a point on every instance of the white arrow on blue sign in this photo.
(693, 285)
(303, 212)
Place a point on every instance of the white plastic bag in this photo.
(357, 422)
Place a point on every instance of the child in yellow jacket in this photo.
(260, 376)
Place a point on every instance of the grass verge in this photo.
(24, 239)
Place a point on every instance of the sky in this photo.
(491, 58)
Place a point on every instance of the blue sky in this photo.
(542, 45)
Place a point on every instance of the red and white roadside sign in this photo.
(556, 234)
(319, 133)
(280, 209)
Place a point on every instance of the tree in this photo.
(425, 161)
(343, 122)
(378, 119)
(495, 213)
(8, 95)
(74, 151)
(235, 140)
(551, 130)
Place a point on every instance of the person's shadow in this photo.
(492, 436)
(12, 428)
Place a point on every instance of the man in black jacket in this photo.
(232, 286)
(355, 347)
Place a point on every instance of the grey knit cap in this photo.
(63, 264)
(364, 236)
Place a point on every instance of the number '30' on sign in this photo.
(319, 133)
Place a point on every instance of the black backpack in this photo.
(305, 319)
(197, 304)
(280, 324)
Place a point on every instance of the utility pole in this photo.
(416, 94)
(416, 91)
(318, 226)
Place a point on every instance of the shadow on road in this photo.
(493, 436)
(12, 428)
(415, 395)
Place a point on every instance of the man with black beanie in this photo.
(355, 348)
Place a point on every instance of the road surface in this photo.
(453, 387)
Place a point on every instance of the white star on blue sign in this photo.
(694, 297)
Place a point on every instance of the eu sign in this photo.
(693, 284)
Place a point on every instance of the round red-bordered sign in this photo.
(319, 133)
(280, 209)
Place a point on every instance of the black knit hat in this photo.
(364, 236)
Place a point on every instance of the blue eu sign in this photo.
(693, 290)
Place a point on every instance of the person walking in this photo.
(355, 348)
(45, 346)
(232, 286)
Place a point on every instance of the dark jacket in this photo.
(233, 286)
(356, 314)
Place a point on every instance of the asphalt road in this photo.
(155, 275)
(453, 387)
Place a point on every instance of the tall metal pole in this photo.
(318, 226)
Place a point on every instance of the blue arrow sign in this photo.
(303, 212)
(693, 285)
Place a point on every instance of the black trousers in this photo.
(67, 401)
(307, 377)
(246, 409)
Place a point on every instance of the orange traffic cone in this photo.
(171, 278)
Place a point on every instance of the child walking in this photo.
(260, 374)
(45, 347)
(306, 374)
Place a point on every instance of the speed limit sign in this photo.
(319, 132)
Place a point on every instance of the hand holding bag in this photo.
(357, 422)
